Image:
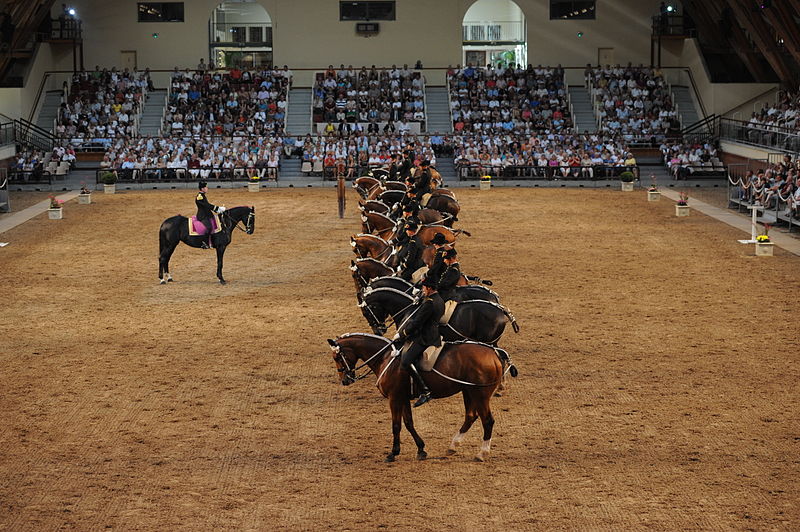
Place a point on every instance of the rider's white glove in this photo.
(396, 337)
(220, 209)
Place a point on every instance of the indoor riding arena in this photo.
(651, 263)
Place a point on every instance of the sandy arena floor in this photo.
(658, 386)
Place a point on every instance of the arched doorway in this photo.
(240, 34)
(494, 31)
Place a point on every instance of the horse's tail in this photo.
(477, 279)
(511, 318)
(506, 361)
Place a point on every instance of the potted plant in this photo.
(85, 196)
(486, 182)
(652, 193)
(254, 184)
(56, 209)
(764, 246)
(682, 207)
(627, 178)
(109, 180)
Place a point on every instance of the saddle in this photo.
(197, 228)
(449, 308)
(428, 357)
(418, 275)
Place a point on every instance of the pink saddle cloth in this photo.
(197, 228)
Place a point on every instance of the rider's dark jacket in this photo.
(423, 326)
(205, 209)
(449, 280)
(410, 256)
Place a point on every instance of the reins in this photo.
(237, 222)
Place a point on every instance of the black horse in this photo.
(476, 320)
(460, 293)
(176, 229)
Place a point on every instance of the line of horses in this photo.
(470, 360)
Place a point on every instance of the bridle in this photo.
(248, 222)
(350, 372)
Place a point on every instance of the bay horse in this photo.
(377, 224)
(368, 245)
(364, 270)
(364, 185)
(445, 205)
(476, 319)
(395, 185)
(176, 229)
(474, 369)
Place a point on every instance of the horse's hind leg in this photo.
(488, 424)
(220, 255)
(408, 419)
(163, 263)
(470, 415)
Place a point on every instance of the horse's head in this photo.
(250, 221)
(373, 311)
(345, 361)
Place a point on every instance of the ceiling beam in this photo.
(747, 12)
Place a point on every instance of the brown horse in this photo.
(370, 246)
(473, 369)
(364, 270)
(445, 205)
(364, 185)
(395, 185)
(377, 224)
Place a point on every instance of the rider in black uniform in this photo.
(410, 213)
(205, 211)
(448, 281)
(437, 266)
(423, 329)
(410, 255)
(422, 184)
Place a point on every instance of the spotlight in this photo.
(670, 9)
(580, 34)
(71, 11)
(155, 36)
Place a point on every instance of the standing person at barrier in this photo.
(205, 212)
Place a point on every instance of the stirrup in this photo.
(424, 397)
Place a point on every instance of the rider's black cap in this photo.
(201, 185)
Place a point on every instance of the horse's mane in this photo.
(393, 277)
(358, 261)
(371, 236)
(380, 214)
(370, 291)
(350, 335)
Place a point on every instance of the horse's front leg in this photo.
(408, 419)
(396, 407)
(220, 255)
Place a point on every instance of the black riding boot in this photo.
(424, 392)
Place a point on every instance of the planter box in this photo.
(653, 195)
(55, 214)
(253, 187)
(681, 210)
(84, 199)
(764, 249)
(110, 189)
(486, 184)
(627, 187)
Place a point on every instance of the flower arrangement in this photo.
(653, 184)
(55, 203)
(108, 177)
(684, 199)
(765, 236)
(85, 189)
(255, 178)
(627, 177)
